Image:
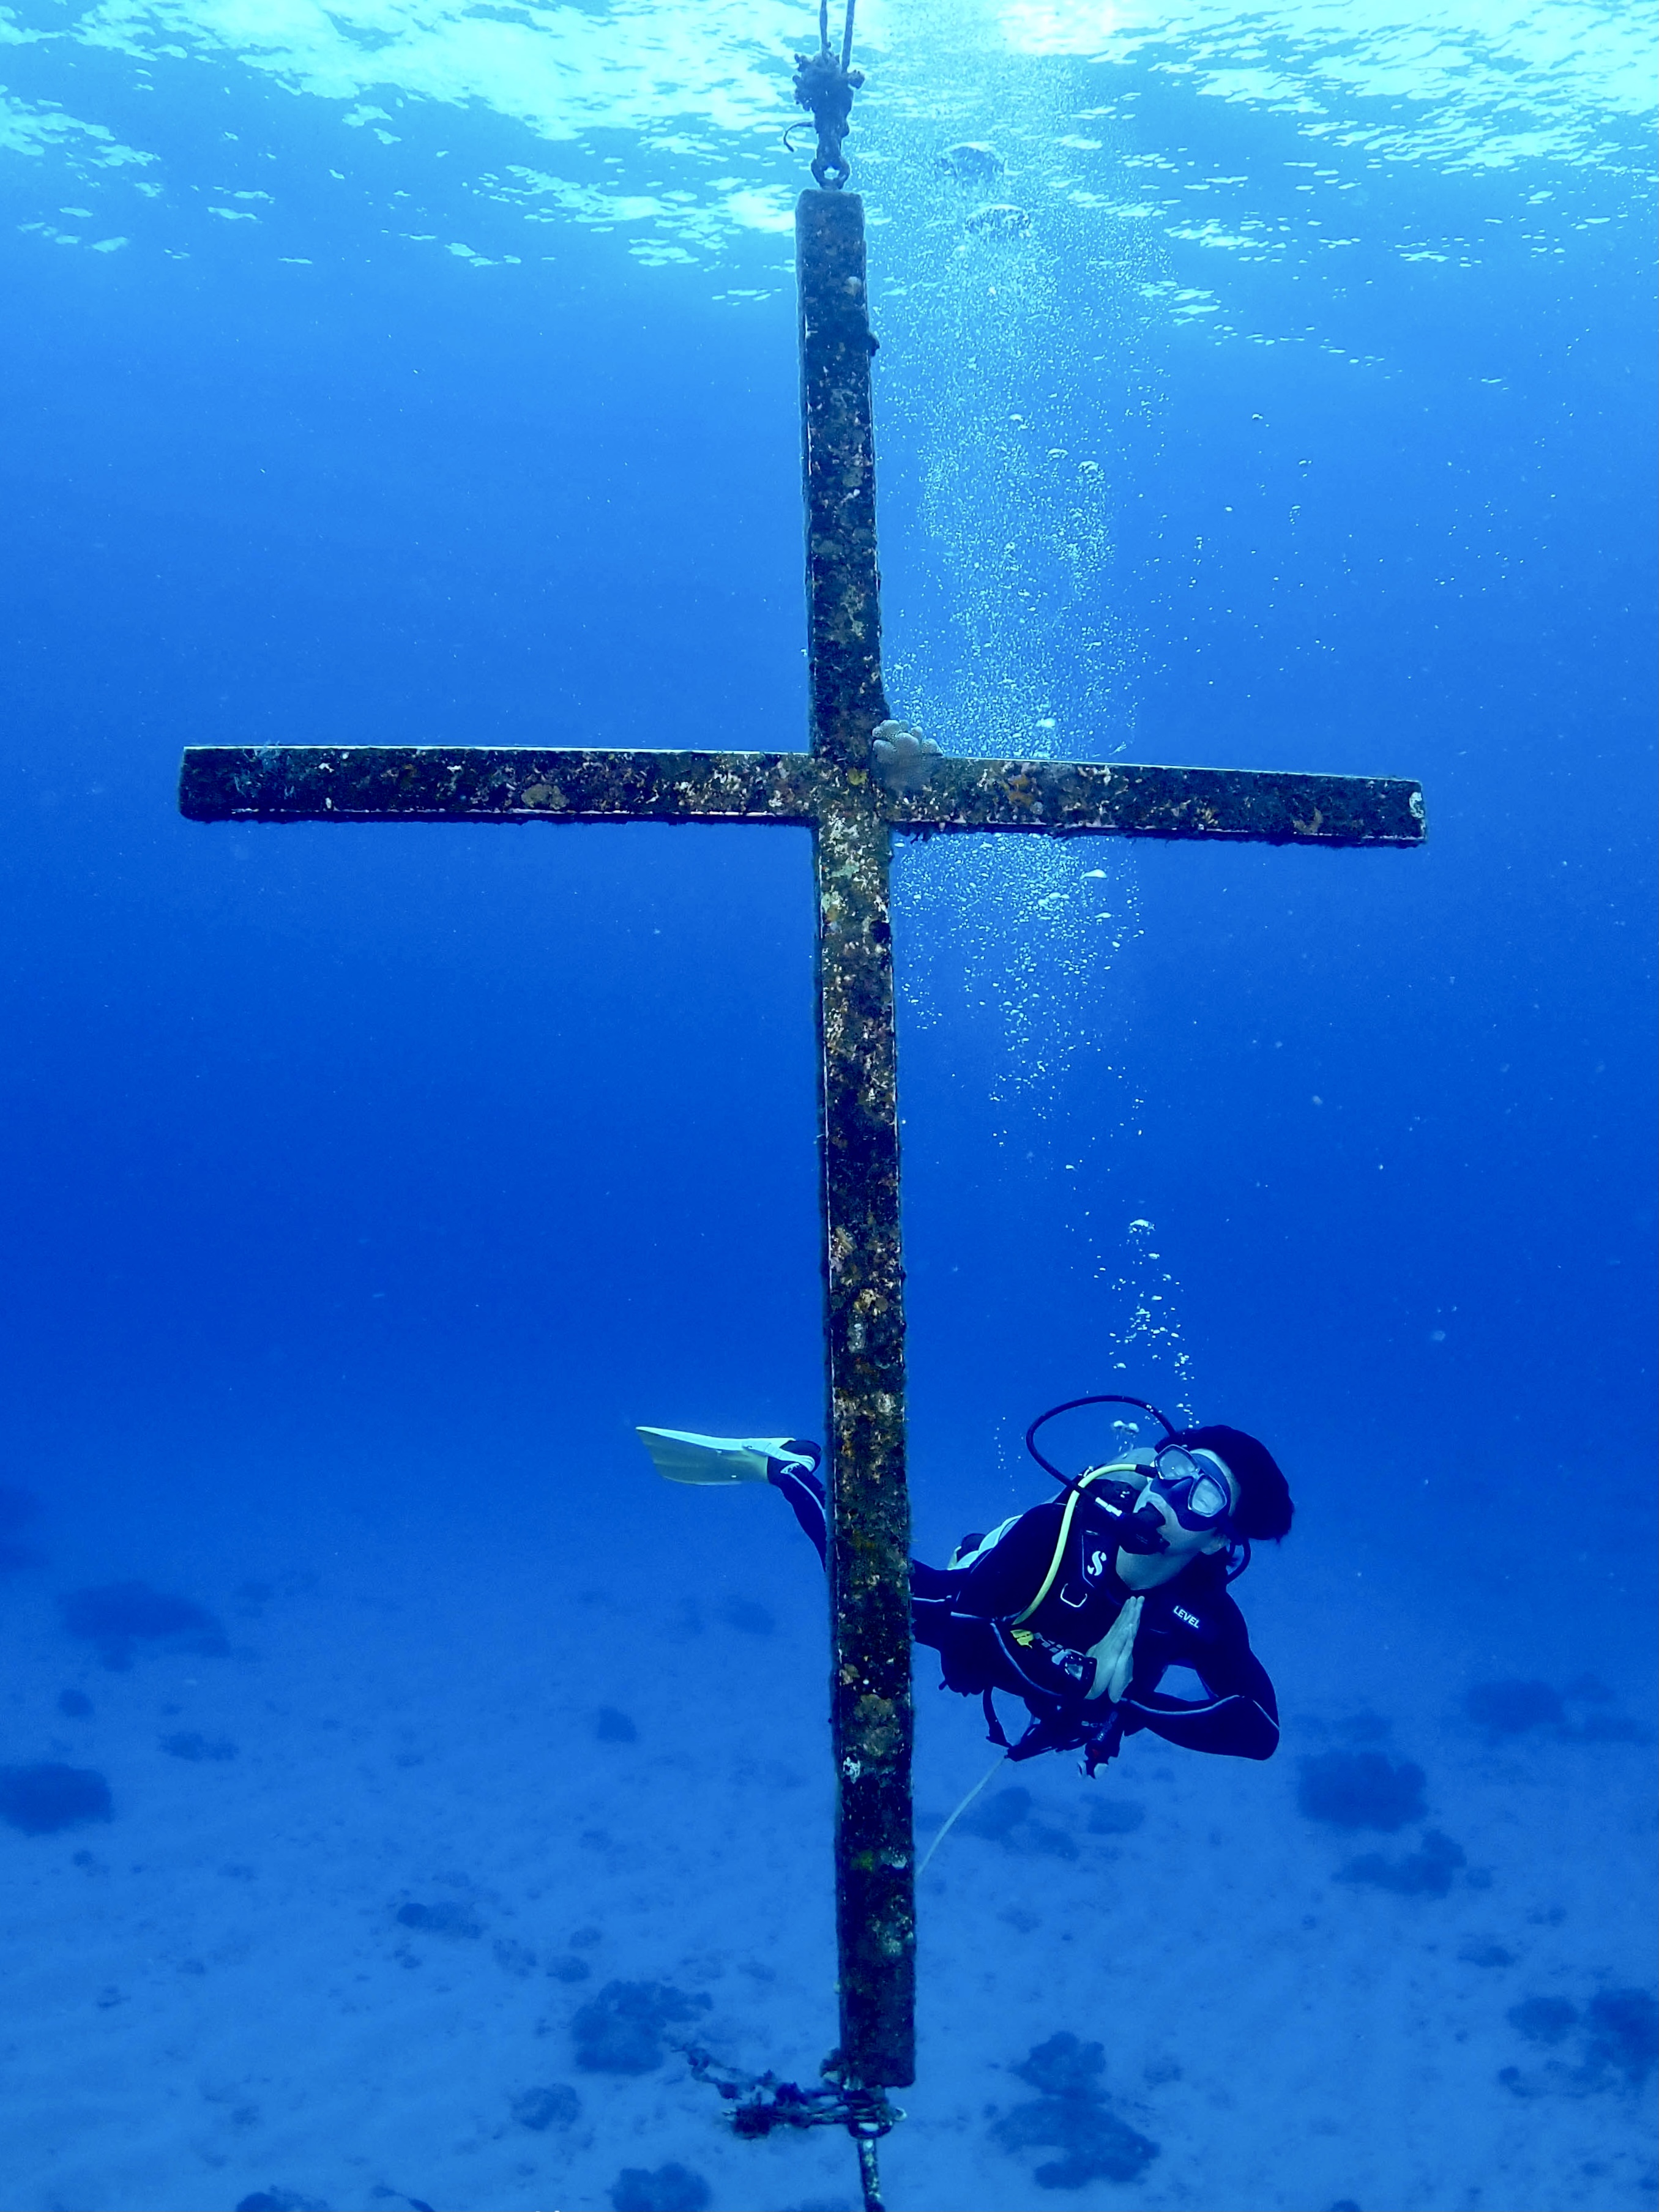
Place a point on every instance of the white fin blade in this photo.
(683, 1457)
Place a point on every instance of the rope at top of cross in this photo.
(824, 86)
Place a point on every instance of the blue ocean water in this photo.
(426, 372)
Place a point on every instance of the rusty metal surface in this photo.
(1133, 800)
(871, 1718)
(509, 783)
(871, 1721)
(844, 584)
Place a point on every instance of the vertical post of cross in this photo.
(863, 1270)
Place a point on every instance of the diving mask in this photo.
(1194, 1485)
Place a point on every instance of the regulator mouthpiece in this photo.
(1137, 1528)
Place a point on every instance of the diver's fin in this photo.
(683, 1457)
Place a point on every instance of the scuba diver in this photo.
(1080, 1606)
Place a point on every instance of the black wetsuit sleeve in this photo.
(804, 1492)
(1238, 1718)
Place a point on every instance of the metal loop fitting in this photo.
(824, 88)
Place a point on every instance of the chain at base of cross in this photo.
(761, 2104)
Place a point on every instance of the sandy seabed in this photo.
(366, 1865)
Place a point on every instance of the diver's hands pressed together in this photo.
(1115, 1654)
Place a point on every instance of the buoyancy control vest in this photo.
(1080, 1595)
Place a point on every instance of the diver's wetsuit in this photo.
(977, 1617)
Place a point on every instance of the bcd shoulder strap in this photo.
(1118, 1467)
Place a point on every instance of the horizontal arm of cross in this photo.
(1136, 801)
(939, 793)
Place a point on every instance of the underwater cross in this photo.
(864, 777)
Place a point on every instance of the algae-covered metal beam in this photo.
(870, 1718)
(493, 783)
(1125, 799)
(838, 465)
(529, 783)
